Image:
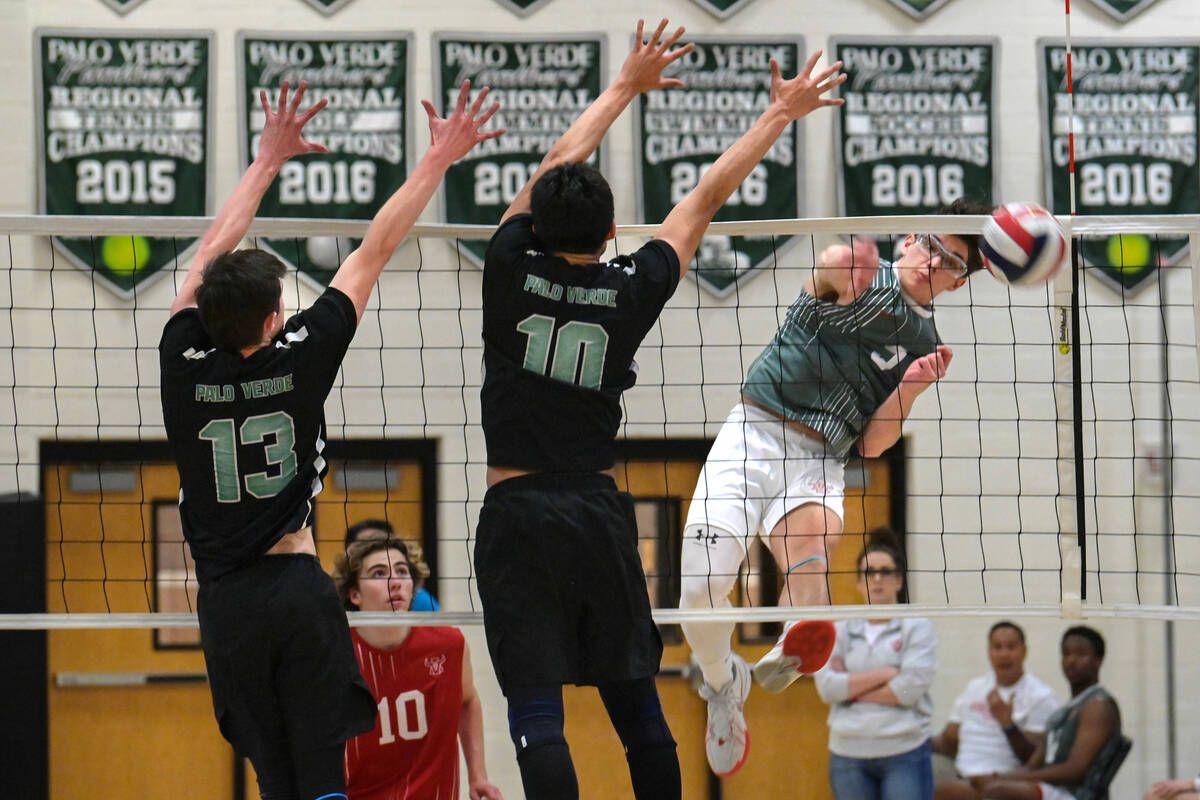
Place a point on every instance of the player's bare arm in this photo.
(451, 139)
(844, 271)
(470, 735)
(641, 72)
(282, 138)
(886, 423)
(1097, 724)
(790, 100)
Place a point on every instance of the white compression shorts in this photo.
(759, 469)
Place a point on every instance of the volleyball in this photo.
(1024, 244)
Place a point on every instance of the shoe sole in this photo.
(811, 643)
(738, 765)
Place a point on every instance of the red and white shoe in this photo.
(803, 649)
(727, 739)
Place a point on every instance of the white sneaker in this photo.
(727, 740)
(803, 649)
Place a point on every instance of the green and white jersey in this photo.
(831, 366)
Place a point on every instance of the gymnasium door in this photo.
(129, 710)
(788, 729)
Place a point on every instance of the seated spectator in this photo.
(422, 682)
(1179, 789)
(877, 684)
(1080, 736)
(997, 721)
(382, 529)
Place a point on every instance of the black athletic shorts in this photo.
(281, 666)
(564, 594)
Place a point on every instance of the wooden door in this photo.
(130, 713)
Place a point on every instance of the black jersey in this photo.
(248, 433)
(558, 347)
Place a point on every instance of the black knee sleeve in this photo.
(637, 715)
(535, 723)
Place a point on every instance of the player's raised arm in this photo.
(282, 137)
(790, 100)
(844, 271)
(451, 139)
(641, 72)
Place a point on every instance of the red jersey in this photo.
(413, 752)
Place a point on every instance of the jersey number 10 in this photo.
(409, 726)
(579, 350)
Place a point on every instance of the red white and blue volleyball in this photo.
(1024, 245)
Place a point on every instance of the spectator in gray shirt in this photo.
(877, 684)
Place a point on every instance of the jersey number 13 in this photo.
(275, 432)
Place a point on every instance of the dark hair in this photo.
(572, 209)
(366, 525)
(1006, 624)
(1091, 634)
(237, 292)
(881, 540)
(347, 564)
(964, 205)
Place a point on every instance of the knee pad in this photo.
(709, 566)
(535, 719)
(637, 716)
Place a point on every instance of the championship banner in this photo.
(123, 129)
(122, 6)
(919, 9)
(522, 8)
(917, 130)
(1124, 10)
(681, 132)
(327, 7)
(543, 84)
(722, 9)
(366, 128)
(1135, 144)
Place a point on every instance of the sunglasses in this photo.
(951, 263)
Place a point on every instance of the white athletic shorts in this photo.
(759, 469)
(1051, 792)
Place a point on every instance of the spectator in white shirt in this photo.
(997, 721)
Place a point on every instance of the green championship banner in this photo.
(722, 9)
(1135, 144)
(123, 129)
(366, 128)
(327, 6)
(918, 128)
(543, 84)
(919, 9)
(682, 131)
(1123, 10)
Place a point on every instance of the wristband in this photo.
(1009, 730)
(1197, 784)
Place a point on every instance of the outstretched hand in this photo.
(282, 136)
(458, 133)
(927, 369)
(803, 93)
(644, 65)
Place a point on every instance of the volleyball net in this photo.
(1055, 470)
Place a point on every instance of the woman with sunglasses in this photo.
(877, 684)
